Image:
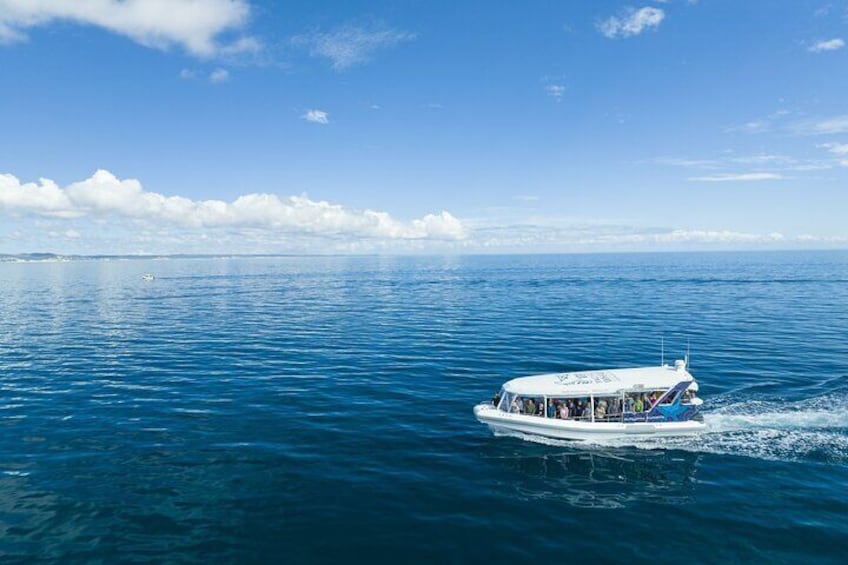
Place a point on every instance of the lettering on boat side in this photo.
(595, 377)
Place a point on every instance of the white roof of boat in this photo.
(605, 381)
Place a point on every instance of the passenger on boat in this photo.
(601, 410)
(552, 408)
(515, 408)
(638, 406)
(563, 411)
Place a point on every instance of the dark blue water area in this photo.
(319, 409)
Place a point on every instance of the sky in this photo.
(422, 126)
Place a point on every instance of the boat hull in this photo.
(577, 430)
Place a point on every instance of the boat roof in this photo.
(600, 382)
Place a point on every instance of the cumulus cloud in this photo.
(737, 177)
(194, 25)
(350, 45)
(105, 198)
(828, 45)
(317, 117)
(631, 22)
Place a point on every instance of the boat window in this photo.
(501, 400)
(669, 399)
(637, 402)
(608, 408)
(531, 405)
(652, 398)
(581, 408)
(508, 402)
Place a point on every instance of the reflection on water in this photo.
(595, 476)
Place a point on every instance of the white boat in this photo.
(147, 277)
(609, 403)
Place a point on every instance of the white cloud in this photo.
(317, 117)
(587, 235)
(631, 22)
(763, 159)
(828, 126)
(350, 45)
(219, 75)
(108, 200)
(187, 74)
(759, 125)
(688, 163)
(765, 162)
(828, 45)
(194, 25)
(836, 148)
(555, 90)
(737, 177)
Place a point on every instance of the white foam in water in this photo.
(814, 429)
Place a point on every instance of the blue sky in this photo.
(422, 126)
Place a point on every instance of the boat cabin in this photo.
(645, 394)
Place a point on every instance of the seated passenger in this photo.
(601, 410)
(530, 407)
(551, 409)
(515, 408)
(563, 411)
(638, 406)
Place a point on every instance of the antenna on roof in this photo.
(662, 351)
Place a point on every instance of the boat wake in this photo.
(814, 429)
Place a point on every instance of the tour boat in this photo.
(609, 403)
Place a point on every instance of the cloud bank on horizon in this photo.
(105, 199)
(80, 215)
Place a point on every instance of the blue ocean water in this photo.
(319, 409)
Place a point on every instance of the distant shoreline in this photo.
(46, 257)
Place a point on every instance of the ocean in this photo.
(319, 409)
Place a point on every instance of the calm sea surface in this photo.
(319, 409)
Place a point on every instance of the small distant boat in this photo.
(147, 277)
(609, 403)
